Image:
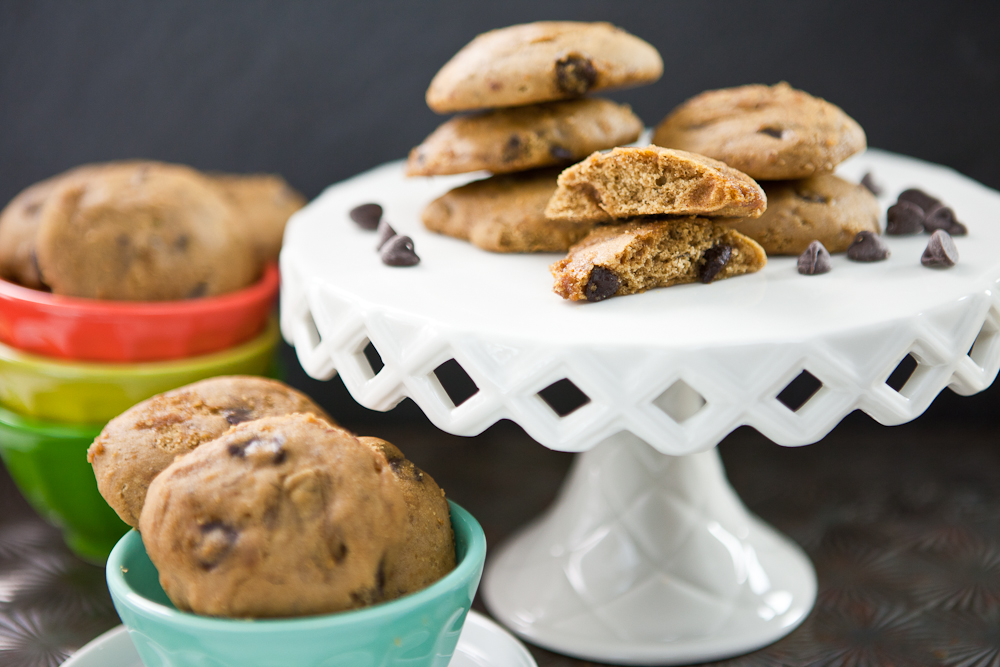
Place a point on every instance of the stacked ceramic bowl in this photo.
(68, 365)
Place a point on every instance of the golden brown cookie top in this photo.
(540, 62)
(148, 232)
(637, 255)
(823, 208)
(281, 516)
(504, 214)
(629, 182)
(520, 138)
(263, 203)
(768, 132)
(137, 444)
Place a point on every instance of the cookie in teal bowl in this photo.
(416, 630)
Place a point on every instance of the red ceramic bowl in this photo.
(129, 331)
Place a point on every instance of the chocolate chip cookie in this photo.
(136, 445)
(19, 222)
(281, 516)
(634, 256)
(428, 545)
(768, 132)
(263, 204)
(539, 135)
(505, 214)
(628, 182)
(823, 208)
(541, 62)
(147, 233)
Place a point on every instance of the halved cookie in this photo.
(627, 182)
(823, 208)
(539, 135)
(631, 257)
(768, 132)
(505, 214)
(540, 62)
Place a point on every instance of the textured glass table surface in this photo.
(903, 525)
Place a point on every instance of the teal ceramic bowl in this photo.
(48, 462)
(418, 630)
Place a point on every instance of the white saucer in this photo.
(483, 643)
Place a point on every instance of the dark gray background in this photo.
(318, 91)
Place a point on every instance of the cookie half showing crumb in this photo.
(631, 257)
(768, 132)
(541, 62)
(505, 214)
(136, 445)
(281, 516)
(539, 135)
(824, 208)
(628, 182)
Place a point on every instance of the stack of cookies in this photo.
(790, 141)
(525, 83)
(654, 215)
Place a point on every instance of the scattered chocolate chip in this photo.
(904, 217)
(815, 260)
(775, 132)
(869, 182)
(237, 415)
(941, 251)
(868, 247)
(511, 149)
(601, 284)
(920, 198)
(398, 251)
(715, 260)
(367, 215)
(217, 540)
(575, 74)
(385, 232)
(942, 217)
(814, 197)
(560, 153)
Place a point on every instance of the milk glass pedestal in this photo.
(647, 556)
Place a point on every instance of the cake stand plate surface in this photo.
(647, 556)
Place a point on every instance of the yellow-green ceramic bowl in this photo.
(93, 393)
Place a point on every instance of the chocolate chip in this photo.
(714, 260)
(868, 247)
(941, 251)
(182, 242)
(198, 290)
(602, 284)
(920, 198)
(575, 74)
(217, 540)
(942, 217)
(260, 449)
(814, 260)
(237, 415)
(398, 251)
(814, 197)
(560, 153)
(511, 149)
(775, 132)
(869, 182)
(123, 240)
(904, 217)
(385, 232)
(367, 215)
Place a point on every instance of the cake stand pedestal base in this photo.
(649, 559)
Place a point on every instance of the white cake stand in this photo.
(648, 556)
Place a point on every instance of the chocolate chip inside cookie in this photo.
(602, 284)
(575, 74)
(715, 260)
